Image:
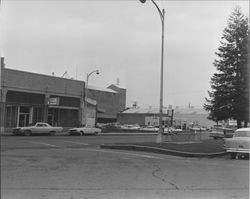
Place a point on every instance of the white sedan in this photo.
(239, 143)
(38, 128)
(84, 131)
(171, 130)
(150, 128)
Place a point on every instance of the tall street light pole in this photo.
(86, 93)
(162, 14)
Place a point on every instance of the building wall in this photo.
(26, 99)
(26, 81)
(31, 95)
(109, 103)
(121, 101)
(142, 119)
(126, 118)
(198, 119)
(2, 97)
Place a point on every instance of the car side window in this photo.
(242, 134)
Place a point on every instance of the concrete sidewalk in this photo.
(199, 148)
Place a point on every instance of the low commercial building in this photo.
(189, 117)
(27, 98)
(178, 117)
(145, 116)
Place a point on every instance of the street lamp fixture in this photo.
(162, 14)
(86, 92)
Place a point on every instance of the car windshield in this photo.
(242, 134)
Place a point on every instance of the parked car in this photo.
(149, 128)
(130, 127)
(221, 132)
(84, 131)
(239, 143)
(198, 128)
(172, 130)
(38, 128)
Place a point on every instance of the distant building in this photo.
(182, 118)
(191, 117)
(144, 116)
(110, 101)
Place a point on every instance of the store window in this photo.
(24, 116)
(11, 115)
(38, 115)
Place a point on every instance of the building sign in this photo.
(54, 101)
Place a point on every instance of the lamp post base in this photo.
(159, 138)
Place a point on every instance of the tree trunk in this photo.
(246, 123)
(238, 124)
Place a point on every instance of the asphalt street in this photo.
(75, 167)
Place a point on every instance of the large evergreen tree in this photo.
(229, 95)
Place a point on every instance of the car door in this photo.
(36, 128)
(46, 128)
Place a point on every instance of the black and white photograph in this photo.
(124, 99)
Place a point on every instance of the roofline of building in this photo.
(117, 86)
(43, 75)
(51, 76)
(108, 90)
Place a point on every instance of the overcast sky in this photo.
(122, 39)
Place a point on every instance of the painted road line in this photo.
(46, 144)
(131, 154)
(77, 143)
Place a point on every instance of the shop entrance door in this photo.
(51, 119)
(23, 119)
(24, 116)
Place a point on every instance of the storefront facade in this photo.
(27, 98)
(24, 109)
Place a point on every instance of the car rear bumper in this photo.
(233, 150)
(17, 132)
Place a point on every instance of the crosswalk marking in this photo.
(96, 150)
(80, 143)
(46, 144)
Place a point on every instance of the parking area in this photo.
(76, 167)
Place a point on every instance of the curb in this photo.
(129, 133)
(100, 134)
(161, 150)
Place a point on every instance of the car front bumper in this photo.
(74, 132)
(17, 132)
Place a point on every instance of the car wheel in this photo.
(52, 133)
(233, 155)
(81, 133)
(27, 132)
